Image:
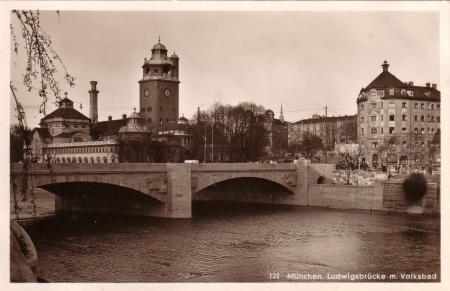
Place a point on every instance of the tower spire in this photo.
(159, 39)
(281, 114)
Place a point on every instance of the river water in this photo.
(237, 243)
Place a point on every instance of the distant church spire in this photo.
(281, 114)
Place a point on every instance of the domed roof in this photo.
(159, 46)
(174, 56)
(134, 115)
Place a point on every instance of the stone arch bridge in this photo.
(162, 190)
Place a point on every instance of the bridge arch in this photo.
(114, 181)
(286, 181)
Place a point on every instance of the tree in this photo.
(310, 144)
(41, 66)
(235, 131)
(388, 150)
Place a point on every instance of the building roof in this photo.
(385, 80)
(107, 128)
(67, 134)
(174, 56)
(326, 119)
(66, 113)
(43, 132)
(159, 46)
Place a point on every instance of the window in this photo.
(381, 130)
(416, 105)
(438, 119)
(375, 144)
(428, 117)
(149, 109)
(429, 106)
(403, 92)
(438, 106)
(160, 120)
(381, 105)
(422, 118)
(391, 129)
(391, 105)
(415, 117)
(362, 106)
(373, 104)
(422, 106)
(362, 131)
(373, 130)
(416, 130)
(403, 129)
(411, 93)
(403, 104)
(149, 120)
(362, 119)
(373, 118)
(422, 130)
(432, 130)
(391, 117)
(391, 92)
(404, 144)
(428, 130)
(143, 109)
(422, 144)
(382, 93)
(403, 117)
(373, 93)
(432, 106)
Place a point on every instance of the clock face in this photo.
(167, 92)
(146, 92)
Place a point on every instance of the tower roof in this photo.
(385, 79)
(174, 56)
(159, 45)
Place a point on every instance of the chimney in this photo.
(428, 85)
(411, 83)
(124, 116)
(434, 86)
(93, 98)
(110, 118)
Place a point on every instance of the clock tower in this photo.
(158, 88)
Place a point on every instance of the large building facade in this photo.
(398, 121)
(67, 136)
(331, 130)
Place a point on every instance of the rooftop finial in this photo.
(134, 109)
(385, 66)
(65, 94)
(159, 39)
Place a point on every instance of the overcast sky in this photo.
(302, 60)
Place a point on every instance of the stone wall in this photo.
(394, 198)
(343, 196)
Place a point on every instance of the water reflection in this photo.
(233, 243)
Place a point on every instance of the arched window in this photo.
(113, 159)
(92, 160)
(98, 160)
(63, 160)
(80, 160)
(85, 160)
(105, 160)
(74, 160)
(57, 160)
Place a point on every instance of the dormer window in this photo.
(403, 92)
(382, 93)
(391, 92)
(410, 93)
(373, 93)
